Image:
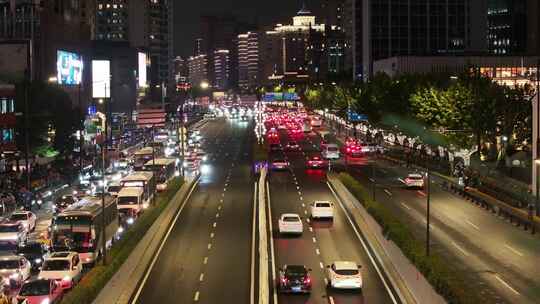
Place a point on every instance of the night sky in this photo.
(259, 12)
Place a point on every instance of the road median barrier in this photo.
(129, 256)
(427, 279)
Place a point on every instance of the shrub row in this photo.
(93, 282)
(449, 282)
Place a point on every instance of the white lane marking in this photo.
(513, 250)
(224, 189)
(299, 193)
(301, 198)
(388, 192)
(205, 260)
(305, 212)
(221, 200)
(317, 251)
(325, 281)
(196, 297)
(307, 220)
(406, 207)
(321, 265)
(209, 246)
(314, 240)
(217, 215)
(506, 284)
(297, 187)
(154, 260)
(201, 277)
(274, 292)
(473, 225)
(219, 207)
(331, 299)
(252, 283)
(303, 205)
(310, 229)
(214, 225)
(460, 249)
(379, 273)
(212, 235)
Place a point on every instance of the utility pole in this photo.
(428, 196)
(103, 164)
(81, 131)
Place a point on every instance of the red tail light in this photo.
(307, 281)
(284, 280)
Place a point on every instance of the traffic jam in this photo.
(45, 252)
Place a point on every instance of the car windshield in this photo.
(127, 200)
(10, 228)
(290, 219)
(295, 271)
(279, 161)
(347, 272)
(18, 217)
(35, 288)
(30, 248)
(114, 188)
(292, 143)
(415, 177)
(56, 265)
(332, 149)
(9, 264)
(322, 205)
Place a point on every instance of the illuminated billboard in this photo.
(101, 79)
(69, 68)
(142, 70)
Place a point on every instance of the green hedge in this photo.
(93, 281)
(447, 281)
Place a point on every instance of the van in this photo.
(330, 151)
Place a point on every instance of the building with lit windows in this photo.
(507, 26)
(221, 70)
(198, 69)
(249, 66)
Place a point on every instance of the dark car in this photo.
(293, 146)
(294, 278)
(315, 162)
(275, 147)
(62, 202)
(34, 253)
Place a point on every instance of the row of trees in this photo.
(467, 110)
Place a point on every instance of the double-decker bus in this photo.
(80, 227)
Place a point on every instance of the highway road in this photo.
(206, 258)
(323, 241)
(501, 260)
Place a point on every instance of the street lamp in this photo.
(205, 85)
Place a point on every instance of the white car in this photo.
(280, 164)
(322, 209)
(330, 151)
(13, 232)
(290, 223)
(414, 180)
(344, 275)
(27, 218)
(14, 270)
(64, 266)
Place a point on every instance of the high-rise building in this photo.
(181, 73)
(198, 69)
(249, 66)
(507, 26)
(221, 69)
(199, 47)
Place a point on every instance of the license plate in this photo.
(296, 289)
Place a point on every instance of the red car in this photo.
(316, 162)
(40, 291)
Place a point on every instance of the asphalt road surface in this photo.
(206, 258)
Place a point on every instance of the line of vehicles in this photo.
(96, 211)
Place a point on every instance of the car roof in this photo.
(345, 265)
(296, 268)
(21, 212)
(61, 255)
(329, 202)
(414, 175)
(10, 257)
(290, 215)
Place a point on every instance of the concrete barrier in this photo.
(264, 293)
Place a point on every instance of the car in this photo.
(40, 291)
(34, 252)
(292, 146)
(191, 163)
(280, 164)
(290, 223)
(344, 275)
(63, 266)
(14, 270)
(275, 147)
(414, 180)
(294, 278)
(315, 162)
(64, 201)
(330, 151)
(114, 188)
(322, 209)
(13, 232)
(27, 218)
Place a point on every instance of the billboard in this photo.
(14, 60)
(142, 70)
(69, 68)
(101, 79)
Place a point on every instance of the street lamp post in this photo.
(428, 213)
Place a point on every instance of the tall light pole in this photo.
(428, 213)
(103, 165)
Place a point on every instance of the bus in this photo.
(144, 179)
(130, 204)
(164, 170)
(142, 156)
(80, 227)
